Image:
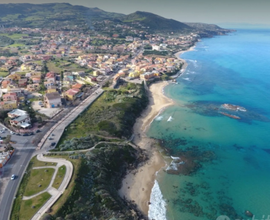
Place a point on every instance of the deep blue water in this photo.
(233, 166)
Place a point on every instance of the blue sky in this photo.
(208, 11)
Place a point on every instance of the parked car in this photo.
(50, 138)
(25, 134)
(52, 144)
(13, 177)
(37, 131)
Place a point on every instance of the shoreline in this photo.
(137, 184)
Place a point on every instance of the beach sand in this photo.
(137, 184)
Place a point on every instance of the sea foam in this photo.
(157, 208)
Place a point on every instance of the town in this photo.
(42, 75)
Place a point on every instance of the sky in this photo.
(225, 12)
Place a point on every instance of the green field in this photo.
(59, 177)
(36, 163)
(112, 114)
(54, 67)
(39, 180)
(30, 207)
(17, 45)
(14, 36)
(4, 74)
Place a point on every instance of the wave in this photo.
(157, 208)
(159, 118)
(187, 79)
(170, 118)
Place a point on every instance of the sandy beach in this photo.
(137, 185)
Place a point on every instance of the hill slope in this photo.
(156, 22)
(50, 15)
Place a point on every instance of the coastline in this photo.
(137, 184)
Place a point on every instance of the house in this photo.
(5, 84)
(8, 105)
(22, 82)
(23, 121)
(52, 100)
(36, 80)
(33, 87)
(51, 89)
(77, 86)
(10, 97)
(4, 157)
(16, 113)
(19, 118)
(148, 75)
(71, 94)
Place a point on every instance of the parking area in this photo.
(49, 112)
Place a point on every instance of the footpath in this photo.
(55, 193)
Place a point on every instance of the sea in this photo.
(218, 164)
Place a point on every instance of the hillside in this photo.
(208, 29)
(66, 16)
(50, 15)
(156, 22)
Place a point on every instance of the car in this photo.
(11, 132)
(18, 134)
(25, 134)
(13, 177)
(37, 131)
(50, 138)
(52, 144)
(31, 133)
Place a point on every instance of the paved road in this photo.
(18, 164)
(59, 128)
(25, 149)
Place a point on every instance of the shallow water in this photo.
(235, 177)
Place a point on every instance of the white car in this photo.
(13, 177)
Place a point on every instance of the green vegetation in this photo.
(4, 74)
(39, 180)
(14, 36)
(4, 41)
(59, 176)
(113, 114)
(37, 163)
(155, 52)
(155, 22)
(31, 206)
(94, 194)
(74, 141)
(53, 68)
(68, 192)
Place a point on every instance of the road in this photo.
(17, 166)
(25, 149)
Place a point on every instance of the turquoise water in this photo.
(232, 165)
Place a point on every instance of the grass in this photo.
(36, 163)
(14, 36)
(4, 74)
(30, 207)
(17, 45)
(38, 177)
(53, 68)
(59, 177)
(110, 115)
(61, 201)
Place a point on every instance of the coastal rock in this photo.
(248, 213)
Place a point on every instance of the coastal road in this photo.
(17, 166)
